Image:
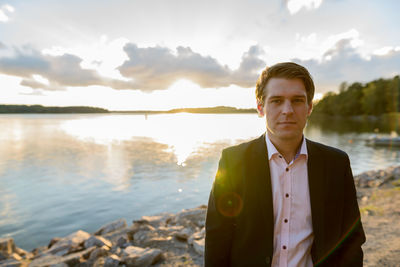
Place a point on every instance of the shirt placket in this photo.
(287, 193)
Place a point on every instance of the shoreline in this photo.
(170, 239)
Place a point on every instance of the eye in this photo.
(298, 100)
(276, 101)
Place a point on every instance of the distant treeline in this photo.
(43, 109)
(220, 109)
(374, 98)
(211, 110)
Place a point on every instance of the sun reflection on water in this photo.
(183, 133)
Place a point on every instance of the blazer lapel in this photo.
(260, 168)
(316, 180)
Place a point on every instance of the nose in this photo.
(287, 107)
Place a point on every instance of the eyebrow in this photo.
(279, 96)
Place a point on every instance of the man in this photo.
(283, 200)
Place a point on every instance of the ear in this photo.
(260, 109)
(310, 107)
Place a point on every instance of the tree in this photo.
(374, 98)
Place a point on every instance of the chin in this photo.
(288, 134)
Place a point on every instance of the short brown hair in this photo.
(286, 70)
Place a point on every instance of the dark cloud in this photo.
(343, 63)
(247, 73)
(158, 67)
(152, 68)
(60, 71)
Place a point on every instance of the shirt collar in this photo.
(272, 149)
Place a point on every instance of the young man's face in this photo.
(285, 107)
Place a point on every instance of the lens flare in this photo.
(340, 242)
(230, 204)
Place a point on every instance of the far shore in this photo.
(39, 109)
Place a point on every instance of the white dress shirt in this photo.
(293, 232)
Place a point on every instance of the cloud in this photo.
(3, 12)
(342, 63)
(295, 6)
(248, 71)
(158, 67)
(147, 69)
(60, 71)
(385, 50)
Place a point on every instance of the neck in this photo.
(286, 147)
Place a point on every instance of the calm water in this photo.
(61, 173)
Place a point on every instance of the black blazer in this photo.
(240, 220)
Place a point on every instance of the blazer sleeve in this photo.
(349, 252)
(219, 223)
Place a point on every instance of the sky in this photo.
(164, 54)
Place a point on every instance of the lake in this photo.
(64, 172)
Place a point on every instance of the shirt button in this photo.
(285, 220)
(284, 247)
(287, 195)
(287, 169)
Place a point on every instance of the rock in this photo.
(196, 236)
(7, 245)
(198, 246)
(117, 234)
(38, 251)
(136, 256)
(17, 257)
(121, 242)
(99, 252)
(170, 230)
(143, 236)
(373, 183)
(99, 262)
(68, 244)
(53, 241)
(112, 261)
(364, 199)
(196, 216)
(62, 264)
(71, 259)
(377, 178)
(178, 244)
(111, 227)
(184, 234)
(141, 232)
(157, 220)
(116, 250)
(84, 264)
(47, 260)
(23, 253)
(389, 177)
(3, 256)
(11, 263)
(97, 241)
(138, 226)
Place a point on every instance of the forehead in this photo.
(284, 87)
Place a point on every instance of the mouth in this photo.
(287, 122)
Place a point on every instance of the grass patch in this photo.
(396, 183)
(371, 209)
(384, 193)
